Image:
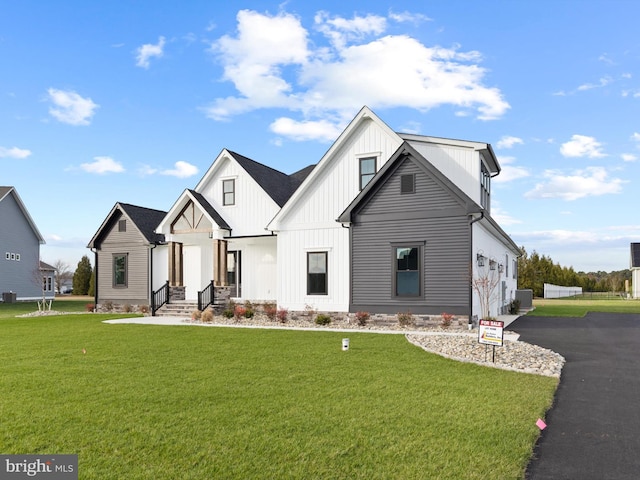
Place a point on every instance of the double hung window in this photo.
(317, 273)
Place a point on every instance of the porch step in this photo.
(178, 308)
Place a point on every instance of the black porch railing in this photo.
(206, 297)
(159, 298)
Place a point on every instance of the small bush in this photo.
(207, 315)
(249, 312)
(144, 309)
(239, 312)
(282, 315)
(323, 319)
(405, 319)
(90, 307)
(227, 313)
(362, 318)
(196, 315)
(514, 307)
(108, 305)
(270, 310)
(127, 308)
(447, 318)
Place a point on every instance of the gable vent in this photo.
(407, 183)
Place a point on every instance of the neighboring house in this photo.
(48, 281)
(385, 222)
(126, 255)
(635, 270)
(20, 243)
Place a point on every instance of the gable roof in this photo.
(635, 255)
(46, 267)
(145, 220)
(365, 114)
(279, 186)
(4, 192)
(408, 150)
(208, 208)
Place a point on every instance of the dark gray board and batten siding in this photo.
(431, 216)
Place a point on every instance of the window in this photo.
(485, 187)
(7, 256)
(407, 271)
(47, 284)
(515, 268)
(317, 273)
(120, 270)
(229, 192)
(122, 225)
(407, 183)
(367, 170)
(17, 257)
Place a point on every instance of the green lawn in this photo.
(198, 403)
(570, 307)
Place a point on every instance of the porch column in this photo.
(220, 263)
(175, 264)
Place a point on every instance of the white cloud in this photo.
(582, 146)
(508, 141)
(14, 152)
(635, 137)
(146, 170)
(603, 82)
(148, 51)
(305, 130)
(629, 157)
(272, 63)
(502, 217)
(71, 108)
(510, 172)
(405, 16)
(181, 170)
(592, 181)
(102, 165)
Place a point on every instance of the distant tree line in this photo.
(534, 270)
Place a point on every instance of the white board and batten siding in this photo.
(253, 207)
(258, 267)
(502, 253)
(311, 226)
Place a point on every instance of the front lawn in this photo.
(139, 401)
(578, 307)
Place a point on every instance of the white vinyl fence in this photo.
(556, 291)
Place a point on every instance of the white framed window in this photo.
(7, 256)
(229, 192)
(367, 170)
(407, 281)
(317, 269)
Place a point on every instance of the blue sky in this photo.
(103, 102)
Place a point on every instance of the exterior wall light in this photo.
(480, 258)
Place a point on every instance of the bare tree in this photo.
(485, 283)
(63, 274)
(39, 278)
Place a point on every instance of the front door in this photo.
(192, 261)
(234, 273)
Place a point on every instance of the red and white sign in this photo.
(490, 332)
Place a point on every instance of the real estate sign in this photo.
(490, 332)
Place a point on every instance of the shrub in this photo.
(447, 318)
(227, 313)
(282, 315)
(196, 315)
(270, 310)
(144, 309)
(90, 307)
(207, 315)
(514, 306)
(108, 305)
(248, 313)
(323, 319)
(405, 319)
(127, 308)
(238, 312)
(362, 318)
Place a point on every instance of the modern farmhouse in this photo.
(384, 222)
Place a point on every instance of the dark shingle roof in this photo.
(146, 219)
(635, 255)
(279, 186)
(210, 210)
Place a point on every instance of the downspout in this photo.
(471, 258)
(95, 281)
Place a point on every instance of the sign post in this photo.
(491, 332)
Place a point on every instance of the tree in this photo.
(63, 274)
(82, 277)
(485, 283)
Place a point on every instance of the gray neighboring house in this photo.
(20, 242)
(124, 255)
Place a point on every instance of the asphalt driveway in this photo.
(593, 427)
